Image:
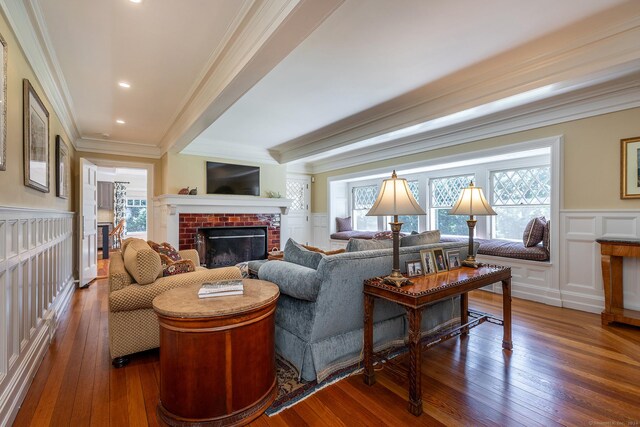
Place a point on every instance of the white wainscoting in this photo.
(581, 274)
(36, 282)
(320, 230)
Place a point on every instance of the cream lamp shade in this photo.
(395, 198)
(472, 202)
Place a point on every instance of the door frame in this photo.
(150, 168)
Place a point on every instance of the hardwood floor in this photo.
(565, 369)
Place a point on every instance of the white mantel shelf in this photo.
(170, 206)
(221, 203)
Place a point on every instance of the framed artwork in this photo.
(36, 140)
(630, 168)
(453, 259)
(3, 104)
(441, 262)
(414, 268)
(428, 262)
(62, 168)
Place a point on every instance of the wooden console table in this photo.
(217, 355)
(426, 290)
(612, 252)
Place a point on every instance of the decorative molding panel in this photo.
(36, 282)
(580, 272)
(320, 230)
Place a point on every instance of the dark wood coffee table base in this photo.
(415, 298)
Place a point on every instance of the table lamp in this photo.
(395, 199)
(471, 202)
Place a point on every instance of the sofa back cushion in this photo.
(295, 253)
(357, 245)
(424, 238)
(142, 262)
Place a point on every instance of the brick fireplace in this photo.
(191, 222)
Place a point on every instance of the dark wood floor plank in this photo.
(566, 369)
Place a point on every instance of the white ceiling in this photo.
(307, 81)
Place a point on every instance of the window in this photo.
(362, 199)
(410, 223)
(444, 194)
(136, 215)
(517, 196)
(295, 192)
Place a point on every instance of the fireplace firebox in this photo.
(224, 246)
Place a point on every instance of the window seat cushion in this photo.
(505, 248)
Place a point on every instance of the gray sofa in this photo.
(319, 317)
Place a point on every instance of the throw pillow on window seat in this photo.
(343, 224)
(296, 254)
(534, 232)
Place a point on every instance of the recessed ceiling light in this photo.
(120, 121)
(124, 85)
(135, 1)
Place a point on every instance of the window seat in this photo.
(505, 248)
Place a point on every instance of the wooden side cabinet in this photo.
(612, 252)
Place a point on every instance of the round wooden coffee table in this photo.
(217, 355)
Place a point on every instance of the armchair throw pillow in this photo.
(142, 262)
(296, 254)
(178, 267)
(165, 248)
(534, 232)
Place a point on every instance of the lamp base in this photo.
(397, 281)
(471, 262)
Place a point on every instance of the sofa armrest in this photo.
(119, 278)
(135, 296)
(191, 254)
(294, 280)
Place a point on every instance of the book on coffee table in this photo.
(221, 288)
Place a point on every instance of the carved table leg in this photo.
(369, 375)
(415, 358)
(506, 314)
(464, 312)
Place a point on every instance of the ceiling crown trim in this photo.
(21, 16)
(118, 148)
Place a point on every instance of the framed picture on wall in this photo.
(3, 104)
(62, 168)
(630, 168)
(36, 140)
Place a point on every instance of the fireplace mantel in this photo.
(170, 206)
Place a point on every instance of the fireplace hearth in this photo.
(224, 246)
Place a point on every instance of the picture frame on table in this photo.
(36, 140)
(630, 168)
(428, 262)
(3, 103)
(62, 168)
(440, 260)
(414, 268)
(453, 259)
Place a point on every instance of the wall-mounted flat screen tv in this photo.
(224, 178)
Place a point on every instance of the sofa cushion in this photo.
(424, 238)
(295, 253)
(142, 262)
(178, 267)
(343, 224)
(534, 232)
(165, 249)
(357, 245)
(294, 280)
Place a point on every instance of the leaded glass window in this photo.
(517, 196)
(295, 192)
(362, 199)
(444, 194)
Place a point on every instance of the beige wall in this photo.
(180, 170)
(13, 191)
(133, 161)
(591, 169)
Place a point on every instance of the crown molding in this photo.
(270, 31)
(118, 148)
(584, 49)
(233, 152)
(588, 102)
(25, 19)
